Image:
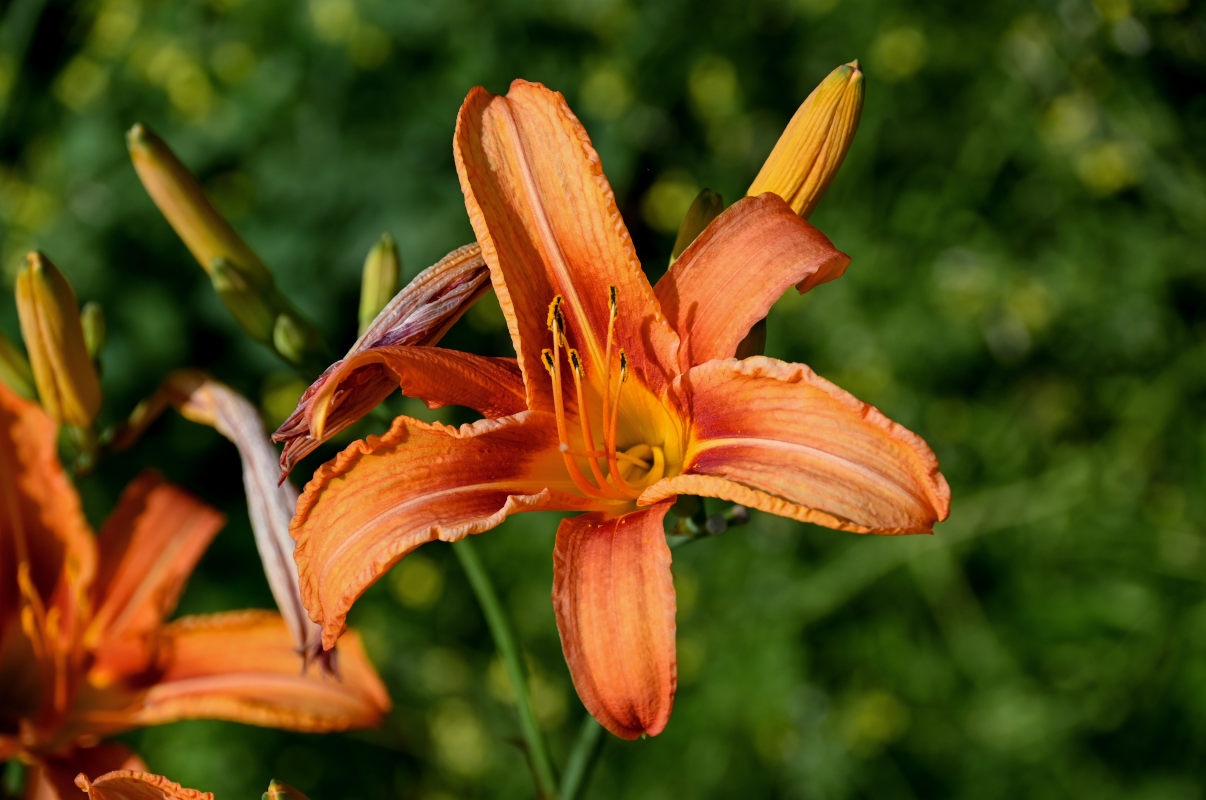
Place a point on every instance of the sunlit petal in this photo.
(614, 599)
(775, 436)
(383, 497)
(548, 225)
(736, 269)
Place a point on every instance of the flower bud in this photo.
(706, 207)
(14, 369)
(241, 279)
(50, 323)
(281, 791)
(92, 320)
(379, 281)
(183, 202)
(812, 147)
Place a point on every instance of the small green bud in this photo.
(379, 280)
(705, 208)
(92, 319)
(14, 368)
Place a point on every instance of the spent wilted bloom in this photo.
(85, 648)
(622, 396)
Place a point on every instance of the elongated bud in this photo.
(50, 323)
(379, 281)
(238, 275)
(14, 369)
(281, 791)
(188, 210)
(246, 302)
(92, 320)
(812, 147)
(705, 208)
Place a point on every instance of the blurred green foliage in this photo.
(1026, 207)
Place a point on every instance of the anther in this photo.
(611, 300)
(576, 363)
(546, 358)
(554, 313)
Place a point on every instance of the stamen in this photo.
(556, 324)
(588, 437)
(609, 441)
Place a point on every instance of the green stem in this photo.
(508, 651)
(586, 751)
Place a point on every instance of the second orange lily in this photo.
(622, 396)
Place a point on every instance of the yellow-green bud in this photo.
(814, 143)
(379, 280)
(280, 791)
(50, 324)
(92, 320)
(706, 207)
(14, 368)
(246, 301)
(184, 204)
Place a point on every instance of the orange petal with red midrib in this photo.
(614, 600)
(385, 496)
(777, 437)
(735, 270)
(548, 225)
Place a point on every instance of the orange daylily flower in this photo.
(84, 648)
(622, 396)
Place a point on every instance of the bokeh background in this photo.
(1025, 204)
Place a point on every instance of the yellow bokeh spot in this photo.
(80, 83)
(606, 92)
(899, 53)
(1108, 167)
(667, 200)
(368, 46)
(1113, 10)
(334, 20)
(712, 88)
(1070, 118)
(232, 61)
(460, 740)
(416, 582)
(874, 720)
(190, 91)
(115, 24)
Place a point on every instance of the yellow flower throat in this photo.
(615, 472)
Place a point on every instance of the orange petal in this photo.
(148, 548)
(614, 599)
(242, 666)
(548, 225)
(385, 496)
(130, 785)
(351, 388)
(42, 528)
(55, 778)
(736, 269)
(774, 436)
